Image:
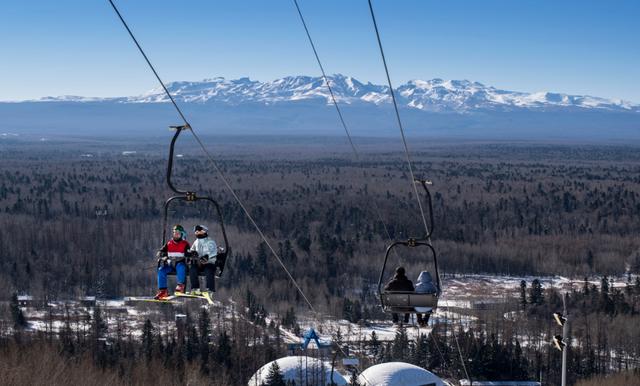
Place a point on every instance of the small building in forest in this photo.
(25, 300)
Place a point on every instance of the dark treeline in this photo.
(516, 345)
(89, 222)
(198, 349)
(218, 348)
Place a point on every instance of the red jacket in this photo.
(176, 250)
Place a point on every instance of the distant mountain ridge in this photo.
(435, 95)
(301, 105)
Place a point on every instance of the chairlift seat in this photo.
(221, 258)
(407, 301)
(200, 273)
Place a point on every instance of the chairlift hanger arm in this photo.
(165, 218)
(424, 184)
(178, 130)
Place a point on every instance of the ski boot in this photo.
(162, 294)
(180, 288)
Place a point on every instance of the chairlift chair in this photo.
(190, 197)
(411, 301)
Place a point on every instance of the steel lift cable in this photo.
(344, 125)
(404, 141)
(213, 162)
(335, 103)
(395, 106)
(326, 81)
(215, 165)
(455, 337)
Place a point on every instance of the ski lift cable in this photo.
(406, 148)
(455, 337)
(213, 162)
(344, 125)
(435, 341)
(356, 154)
(335, 103)
(149, 63)
(404, 139)
(342, 121)
(464, 366)
(326, 80)
(215, 165)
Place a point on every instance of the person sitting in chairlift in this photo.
(400, 282)
(204, 251)
(171, 259)
(424, 285)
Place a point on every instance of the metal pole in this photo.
(565, 333)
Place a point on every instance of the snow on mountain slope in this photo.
(435, 95)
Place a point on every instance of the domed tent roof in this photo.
(398, 374)
(293, 369)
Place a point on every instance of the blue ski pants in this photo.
(180, 271)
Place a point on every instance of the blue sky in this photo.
(78, 47)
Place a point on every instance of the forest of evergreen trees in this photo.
(79, 225)
(205, 348)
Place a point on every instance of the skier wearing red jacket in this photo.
(171, 259)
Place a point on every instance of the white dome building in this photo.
(302, 370)
(398, 374)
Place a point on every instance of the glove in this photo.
(161, 254)
(191, 254)
(163, 261)
(204, 259)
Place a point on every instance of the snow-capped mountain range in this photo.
(434, 95)
(301, 105)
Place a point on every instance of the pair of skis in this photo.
(204, 295)
(172, 299)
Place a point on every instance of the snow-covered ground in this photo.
(460, 289)
(461, 293)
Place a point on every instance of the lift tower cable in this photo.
(213, 162)
(335, 103)
(395, 106)
(344, 125)
(326, 81)
(406, 147)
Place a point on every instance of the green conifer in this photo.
(274, 377)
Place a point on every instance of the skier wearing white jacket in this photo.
(205, 261)
(424, 285)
